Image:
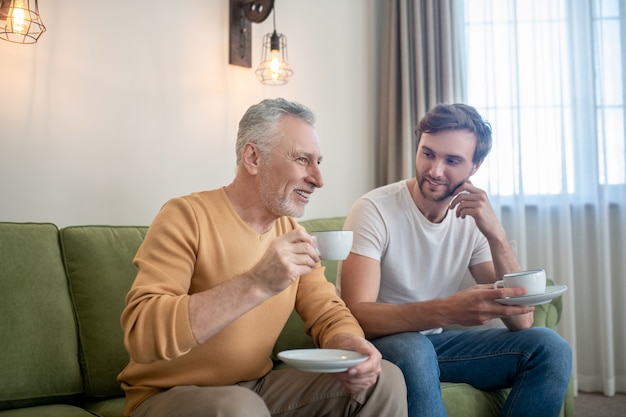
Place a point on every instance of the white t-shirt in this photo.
(419, 260)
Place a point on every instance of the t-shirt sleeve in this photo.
(482, 252)
(369, 228)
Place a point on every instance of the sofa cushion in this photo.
(98, 263)
(54, 410)
(39, 360)
(109, 407)
(463, 400)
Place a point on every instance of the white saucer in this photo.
(552, 291)
(321, 360)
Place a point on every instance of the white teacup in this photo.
(333, 245)
(534, 281)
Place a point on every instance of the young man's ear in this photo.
(475, 168)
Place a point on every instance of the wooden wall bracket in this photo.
(241, 14)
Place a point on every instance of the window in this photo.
(609, 31)
(548, 76)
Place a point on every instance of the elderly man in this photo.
(219, 273)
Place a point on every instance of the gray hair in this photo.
(260, 124)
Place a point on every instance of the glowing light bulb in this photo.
(19, 18)
(275, 65)
(274, 68)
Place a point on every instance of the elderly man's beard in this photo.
(278, 203)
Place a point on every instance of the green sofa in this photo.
(61, 295)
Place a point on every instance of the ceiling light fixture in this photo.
(20, 21)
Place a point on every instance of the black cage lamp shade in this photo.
(20, 21)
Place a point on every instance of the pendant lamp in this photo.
(274, 68)
(20, 21)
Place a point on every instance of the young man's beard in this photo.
(437, 198)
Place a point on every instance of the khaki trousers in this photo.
(285, 393)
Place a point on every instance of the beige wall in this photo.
(124, 104)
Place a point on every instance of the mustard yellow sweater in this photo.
(194, 243)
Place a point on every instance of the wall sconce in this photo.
(21, 22)
(274, 68)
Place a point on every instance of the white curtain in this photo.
(550, 77)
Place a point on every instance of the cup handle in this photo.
(498, 284)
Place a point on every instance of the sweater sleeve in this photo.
(156, 318)
(323, 311)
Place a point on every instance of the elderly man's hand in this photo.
(363, 375)
(288, 257)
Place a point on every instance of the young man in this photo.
(413, 242)
(219, 273)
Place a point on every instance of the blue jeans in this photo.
(536, 363)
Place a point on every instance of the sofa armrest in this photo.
(549, 314)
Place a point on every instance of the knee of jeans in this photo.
(555, 348)
(407, 350)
